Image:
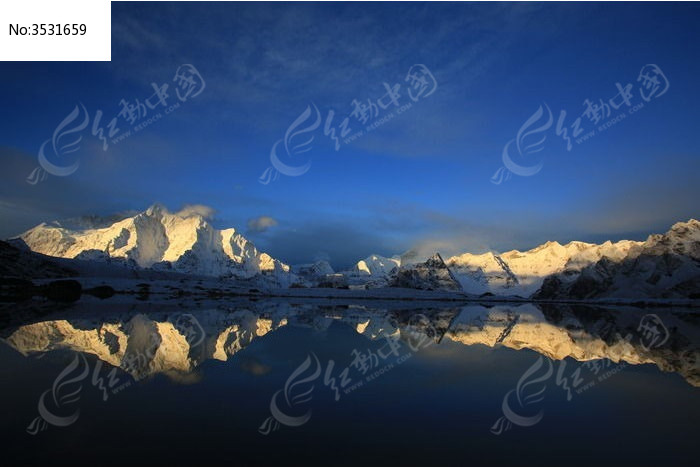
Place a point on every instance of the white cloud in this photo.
(197, 209)
(261, 224)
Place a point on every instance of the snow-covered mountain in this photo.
(664, 266)
(158, 239)
(377, 266)
(311, 275)
(522, 273)
(313, 270)
(433, 274)
(373, 272)
(513, 273)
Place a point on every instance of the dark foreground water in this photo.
(280, 384)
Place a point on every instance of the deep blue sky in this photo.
(422, 179)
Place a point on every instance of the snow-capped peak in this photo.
(376, 265)
(157, 238)
(522, 272)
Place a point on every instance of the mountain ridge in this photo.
(159, 240)
(664, 265)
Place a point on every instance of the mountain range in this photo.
(663, 266)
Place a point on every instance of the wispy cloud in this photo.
(278, 57)
(261, 224)
(197, 210)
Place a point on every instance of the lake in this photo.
(334, 383)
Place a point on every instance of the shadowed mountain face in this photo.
(146, 342)
(433, 274)
(15, 262)
(664, 266)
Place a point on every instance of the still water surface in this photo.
(270, 383)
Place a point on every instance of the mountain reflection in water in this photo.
(263, 383)
(147, 340)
